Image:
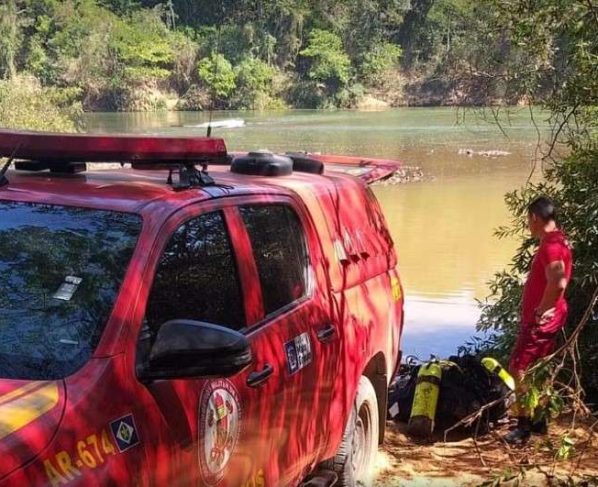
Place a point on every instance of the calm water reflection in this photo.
(443, 227)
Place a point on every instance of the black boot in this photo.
(521, 433)
(539, 427)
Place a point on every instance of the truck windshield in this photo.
(60, 272)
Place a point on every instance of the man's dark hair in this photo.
(543, 208)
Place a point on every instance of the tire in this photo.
(354, 460)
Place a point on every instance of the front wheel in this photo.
(355, 458)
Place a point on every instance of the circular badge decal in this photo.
(218, 428)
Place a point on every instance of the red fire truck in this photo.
(194, 317)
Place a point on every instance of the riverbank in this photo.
(399, 88)
(152, 96)
(487, 461)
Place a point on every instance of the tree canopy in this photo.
(137, 54)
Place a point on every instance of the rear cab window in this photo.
(280, 251)
(61, 269)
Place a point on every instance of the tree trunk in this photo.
(409, 31)
(11, 41)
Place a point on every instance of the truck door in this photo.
(245, 267)
(195, 425)
(295, 331)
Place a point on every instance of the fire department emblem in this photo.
(218, 429)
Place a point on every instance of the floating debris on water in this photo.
(404, 175)
(485, 153)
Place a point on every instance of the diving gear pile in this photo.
(436, 395)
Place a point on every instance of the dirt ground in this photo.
(462, 462)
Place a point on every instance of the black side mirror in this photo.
(186, 349)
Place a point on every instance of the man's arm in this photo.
(556, 283)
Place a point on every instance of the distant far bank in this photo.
(146, 55)
(397, 93)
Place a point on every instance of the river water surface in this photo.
(443, 227)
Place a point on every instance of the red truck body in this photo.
(102, 425)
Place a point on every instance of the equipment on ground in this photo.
(425, 400)
(464, 388)
(494, 367)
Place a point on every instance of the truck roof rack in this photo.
(69, 153)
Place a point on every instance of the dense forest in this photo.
(248, 54)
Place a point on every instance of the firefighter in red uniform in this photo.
(544, 309)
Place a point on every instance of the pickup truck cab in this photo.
(236, 328)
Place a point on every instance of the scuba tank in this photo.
(425, 400)
(494, 367)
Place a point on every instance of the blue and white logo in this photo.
(292, 361)
(125, 432)
(298, 353)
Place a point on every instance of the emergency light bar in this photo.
(49, 149)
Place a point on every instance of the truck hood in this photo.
(30, 413)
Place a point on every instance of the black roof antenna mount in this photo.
(190, 177)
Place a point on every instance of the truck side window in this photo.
(197, 277)
(280, 253)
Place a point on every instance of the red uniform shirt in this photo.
(553, 247)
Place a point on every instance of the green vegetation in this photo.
(256, 85)
(328, 62)
(217, 75)
(252, 54)
(248, 54)
(380, 60)
(22, 102)
(553, 62)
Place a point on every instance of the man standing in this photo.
(544, 309)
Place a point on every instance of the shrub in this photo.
(195, 99)
(234, 42)
(329, 63)
(143, 45)
(218, 76)
(24, 104)
(348, 97)
(67, 43)
(255, 84)
(307, 94)
(79, 43)
(378, 61)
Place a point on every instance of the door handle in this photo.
(327, 333)
(257, 378)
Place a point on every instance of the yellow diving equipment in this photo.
(425, 400)
(494, 367)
